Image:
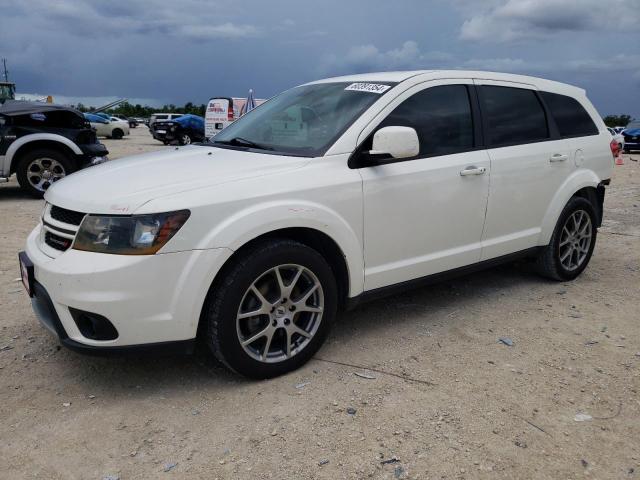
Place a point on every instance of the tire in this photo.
(117, 134)
(232, 296)
(185, 139)
(39, 169)
(550, 262)
(166, 142)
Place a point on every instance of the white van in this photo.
(163, 117)
(332, 193)
(223, 111)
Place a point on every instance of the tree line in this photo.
(137, 110)
(617, 120)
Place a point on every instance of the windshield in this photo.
(303, 121)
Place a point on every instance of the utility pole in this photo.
(6, 72)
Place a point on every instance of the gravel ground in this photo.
(439, 398)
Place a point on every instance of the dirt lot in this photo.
(447, 399)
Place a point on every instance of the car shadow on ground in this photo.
(152, 373)
(12, 191)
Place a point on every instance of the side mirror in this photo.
(398, 142)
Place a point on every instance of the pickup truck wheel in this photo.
(117, 134)
(572, 242)
(39, 169)
(272, 309)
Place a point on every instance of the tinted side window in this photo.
(440, 115)
(571, 117)
(514, 115)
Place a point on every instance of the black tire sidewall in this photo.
(576, 203)
(23, 163)
(235, 286)
(117, 134)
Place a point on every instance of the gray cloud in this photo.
(510, 20)
(362, 58)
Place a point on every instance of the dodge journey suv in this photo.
(329, 194)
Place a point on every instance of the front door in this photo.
(426, 214)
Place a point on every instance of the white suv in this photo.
(331, 193)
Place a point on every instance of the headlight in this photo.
(128, 235)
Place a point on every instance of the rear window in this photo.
(514, 115)
(161, 117)
(570, 117)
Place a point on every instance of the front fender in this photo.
(247, 224)
(34, 137)
(578, 180)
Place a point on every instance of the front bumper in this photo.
(94, 154)
(149, 299)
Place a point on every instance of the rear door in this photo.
(529, 162)
(424, 215)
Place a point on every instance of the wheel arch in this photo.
(311, 237)
(29, 143)
(583, 183)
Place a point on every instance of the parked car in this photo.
(162, 117)
(183, 130)
(329, 194)
(631, 139)
(133, 123)
(619, 138)
(42, 143)
(110, 127)
(633, 125)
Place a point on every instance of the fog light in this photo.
(93, 326)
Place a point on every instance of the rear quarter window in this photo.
(570, 116)
(514, 116)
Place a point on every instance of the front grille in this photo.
(57, 242)
(66, 216)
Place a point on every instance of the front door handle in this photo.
(558, 157)
(473, 170)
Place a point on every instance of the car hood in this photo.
(634, 132)
(124, 185)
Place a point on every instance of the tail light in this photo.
(615, 148)
(230, 113)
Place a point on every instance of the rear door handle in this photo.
(473, 170)
(558, 157)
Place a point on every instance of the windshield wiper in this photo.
(243, 142)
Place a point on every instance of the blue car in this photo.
(183, 130)
(631, 139)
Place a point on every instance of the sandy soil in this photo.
(447, 401)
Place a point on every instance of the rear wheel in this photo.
(39, 169)
(272, 309)
(117, 134)
(572, 242)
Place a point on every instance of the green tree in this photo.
(617, 120)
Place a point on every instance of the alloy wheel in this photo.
(575, 240)
(280, 313)
(43, 172)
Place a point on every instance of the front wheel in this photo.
(271, 310)
(39, 169)
(572, 242)
(117, 134)
(185, 139)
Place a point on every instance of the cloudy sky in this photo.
(161, 51)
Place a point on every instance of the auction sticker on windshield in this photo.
(368, 87)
